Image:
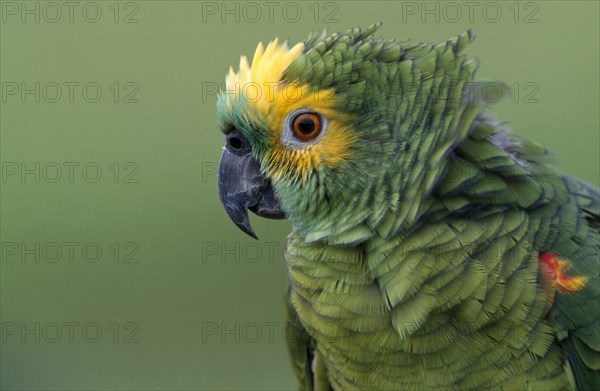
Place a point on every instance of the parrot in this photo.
(431, 248)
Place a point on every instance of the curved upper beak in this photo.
(242, 187)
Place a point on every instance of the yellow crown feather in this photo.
(258, 83)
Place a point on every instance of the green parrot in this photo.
(432, 248)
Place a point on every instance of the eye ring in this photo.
(306, 125)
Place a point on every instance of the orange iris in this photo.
(306, 126)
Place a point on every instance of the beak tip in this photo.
(249, 231)
(239, 216)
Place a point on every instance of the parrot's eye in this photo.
(306, 125)
(303, 126)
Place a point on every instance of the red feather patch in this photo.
(554, 277)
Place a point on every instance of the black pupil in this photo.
(306, 125)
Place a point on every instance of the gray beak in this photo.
(243, 187)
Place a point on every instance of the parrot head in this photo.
(330, 133)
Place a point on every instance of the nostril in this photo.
(235, 143)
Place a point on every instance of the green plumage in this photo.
(413, 264)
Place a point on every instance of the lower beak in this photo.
(242, 187)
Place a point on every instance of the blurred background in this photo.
(119, 269)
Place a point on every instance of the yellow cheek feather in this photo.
(261, 88)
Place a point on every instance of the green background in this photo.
(198, 305)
